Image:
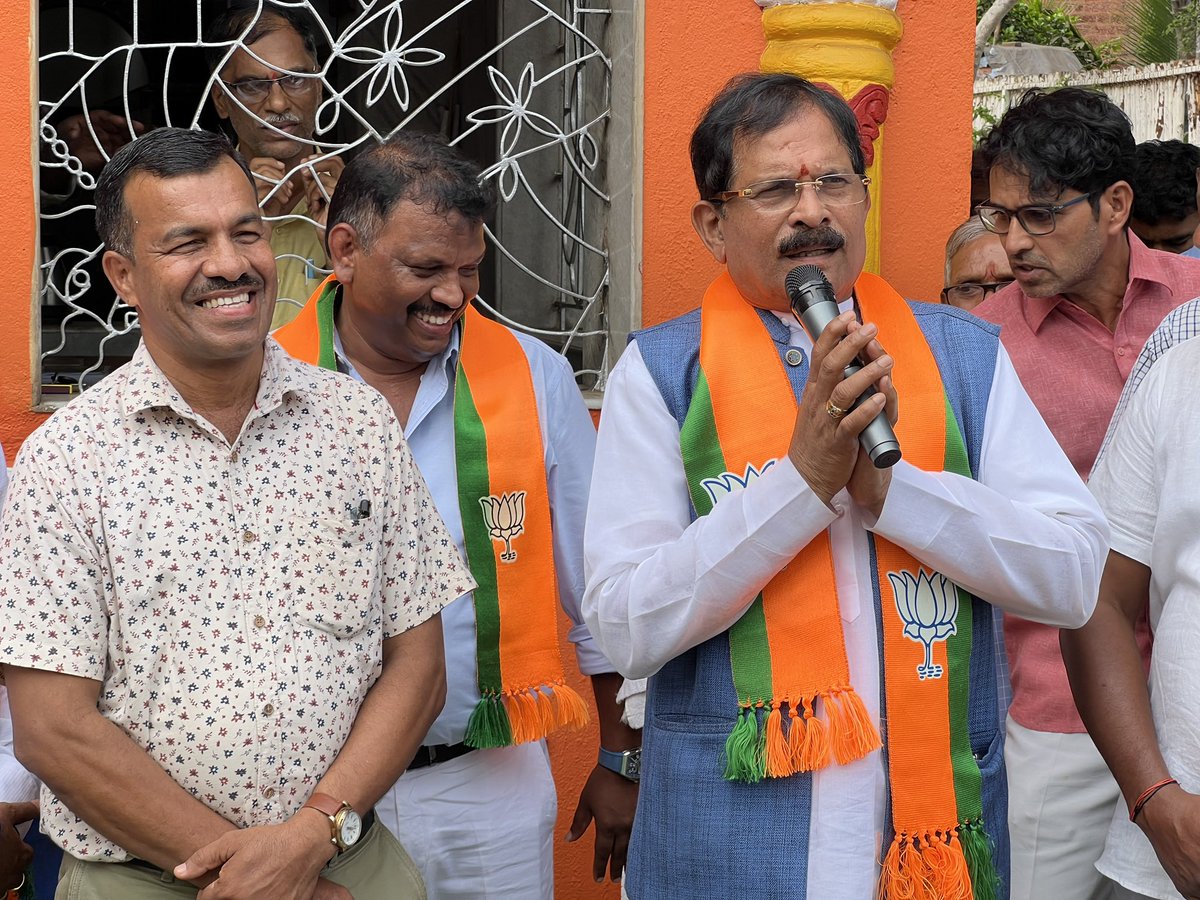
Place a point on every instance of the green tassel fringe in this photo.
(745, 750)
(489, 725)
(977, 848)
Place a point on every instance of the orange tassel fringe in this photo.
(929, 867)
(534, 713)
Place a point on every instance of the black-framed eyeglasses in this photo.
(972, 291)
(837, 189)
(255, 90)
(1037, 219)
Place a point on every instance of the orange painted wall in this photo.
(18, 228)
(926, 181)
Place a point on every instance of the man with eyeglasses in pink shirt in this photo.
(269, 88)
(1088, 293)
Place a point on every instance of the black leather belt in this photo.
(367, 822)
(429, 754)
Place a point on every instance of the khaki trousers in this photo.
(377, 868)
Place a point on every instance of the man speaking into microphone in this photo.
(780, 589)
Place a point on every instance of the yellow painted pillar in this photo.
(847, 46)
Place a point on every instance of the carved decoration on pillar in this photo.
(870, 107)
(846, 46)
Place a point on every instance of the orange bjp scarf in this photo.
(505, 507)
(788, 651)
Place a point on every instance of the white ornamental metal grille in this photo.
(522, 86)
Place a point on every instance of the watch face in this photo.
(351, 828)
(633, 765)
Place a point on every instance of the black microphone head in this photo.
(806, 285)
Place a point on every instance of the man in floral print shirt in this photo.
(223, 577)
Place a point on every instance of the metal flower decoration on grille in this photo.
(387, 65)
(504, 517)
(928, 606)
(514, 111)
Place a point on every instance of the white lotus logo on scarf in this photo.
(504, 517)
(928, 606)
(727, 484)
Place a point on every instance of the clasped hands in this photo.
(282, 862)
(825, 449)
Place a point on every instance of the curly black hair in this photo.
(1069, 138)
(1164, 181)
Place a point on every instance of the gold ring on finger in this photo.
(835, 412)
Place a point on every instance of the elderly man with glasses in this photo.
(778, 588)
(269, 88)
(976, 265)
(1088, 293)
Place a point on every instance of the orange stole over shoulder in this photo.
(505, 507)
(788, 650)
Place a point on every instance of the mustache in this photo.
(1026, 258)
(214, 285)
(823, 237)
(281, 119)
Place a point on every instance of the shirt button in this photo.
(233, 457)
(269, 793)
(794, 357)
(260, 622)
(268, 709)
(248, 536)
(1120, 351)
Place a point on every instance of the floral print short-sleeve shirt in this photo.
(231, 600)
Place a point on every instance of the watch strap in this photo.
(618, 761)
(325, 804)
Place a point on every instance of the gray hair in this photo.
(966, 233)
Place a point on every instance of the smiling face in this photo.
(403, 294)
(760, 247)
(259, 130)
(1066, 261)
(202, 274)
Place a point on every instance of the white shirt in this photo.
(1027, 536)
(1148, 483)
(569, 441)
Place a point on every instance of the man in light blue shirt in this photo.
(406, 241)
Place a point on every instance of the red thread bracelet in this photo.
(1145, 796)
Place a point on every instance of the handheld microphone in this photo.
(815, 306)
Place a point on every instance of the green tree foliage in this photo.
(1036, 22)
(1152, 32)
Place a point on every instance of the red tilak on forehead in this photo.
(803, 171)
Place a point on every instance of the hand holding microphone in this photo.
(841, 410)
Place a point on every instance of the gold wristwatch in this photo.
(345, 824)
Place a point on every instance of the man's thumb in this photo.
(204, 860)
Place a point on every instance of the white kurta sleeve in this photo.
(1027, 536)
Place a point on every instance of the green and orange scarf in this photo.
(788, 653)
(505, 506)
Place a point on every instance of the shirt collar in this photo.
(146, 387)
(447, 360)
(1144, 265)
